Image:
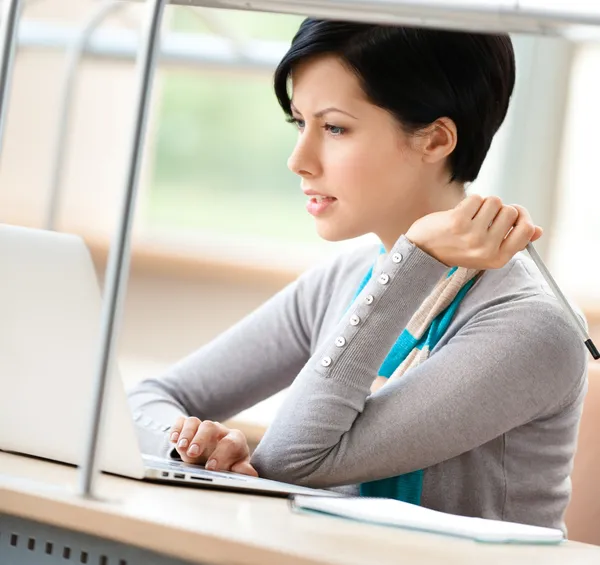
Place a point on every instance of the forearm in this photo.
(257, 357)
(309, 433)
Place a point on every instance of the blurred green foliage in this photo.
(220, 157)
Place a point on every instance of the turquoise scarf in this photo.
(408, 487)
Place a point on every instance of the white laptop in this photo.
(50, 308)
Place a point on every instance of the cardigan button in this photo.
(396, 257)
(340, 341)
(383, 278)
(326, 361)
(369, 299)
(354, 320)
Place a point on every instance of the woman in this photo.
(459, 389)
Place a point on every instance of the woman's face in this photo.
(356, 154)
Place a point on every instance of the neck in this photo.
(439, 200)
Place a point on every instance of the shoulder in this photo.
(520, 284)
(346, 267)
(330, 285)
(519, 313)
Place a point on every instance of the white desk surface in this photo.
(217, 527)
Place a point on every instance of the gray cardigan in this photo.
(492, 416)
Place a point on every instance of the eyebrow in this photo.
(321, 113)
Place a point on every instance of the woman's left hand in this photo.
(480, 233)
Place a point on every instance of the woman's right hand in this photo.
(204, 442)
(480, 233)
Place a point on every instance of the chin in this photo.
(330, 232)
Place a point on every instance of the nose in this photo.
(304, 160)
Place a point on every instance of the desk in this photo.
(210, 527)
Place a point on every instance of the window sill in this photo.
(157, 258)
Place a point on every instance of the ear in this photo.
(439, 140)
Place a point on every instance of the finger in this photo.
(470, 205)
(523, 213)
(539, 232)
(188, 431)
(206, 438)
(503, 223)
(244, 468)
(176, 429)
(228, 451)
(487, 212)
(520, 235)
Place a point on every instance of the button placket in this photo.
(326, 361)
(358, 317)
(339, 346)
(146, 421)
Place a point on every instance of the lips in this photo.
(319, 198)
(319, 205)
(311, 192)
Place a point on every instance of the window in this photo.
(222, 145)
(576, 237)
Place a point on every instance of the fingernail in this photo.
(193, 450)
(174, 436)
(211, 465)
(183, 443)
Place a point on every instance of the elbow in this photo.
(298, 469)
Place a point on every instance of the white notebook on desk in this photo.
(401, 514)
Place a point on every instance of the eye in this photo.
(298, 123)
(336, 131)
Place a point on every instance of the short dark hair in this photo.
(418, 75)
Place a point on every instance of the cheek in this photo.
(369, 172)
(353, 165)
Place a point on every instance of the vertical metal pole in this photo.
(8, 39)
(118, 266)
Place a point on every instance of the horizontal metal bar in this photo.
(185, 49)
(540, 17)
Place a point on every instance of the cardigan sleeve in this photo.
(254, 359)
(511, 362)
